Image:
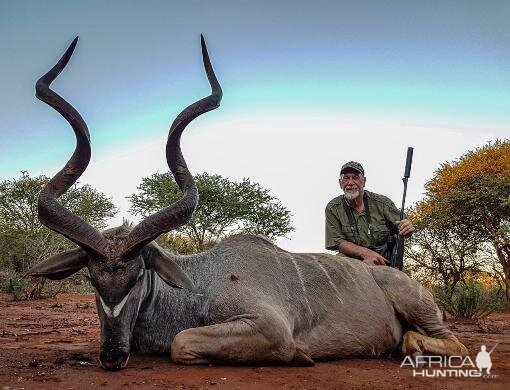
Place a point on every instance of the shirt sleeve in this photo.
(334, 233)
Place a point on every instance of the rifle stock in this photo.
(397, 254)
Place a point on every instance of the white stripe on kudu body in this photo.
(305, 293)
(338, 295)
(260, 329)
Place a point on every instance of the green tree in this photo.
(441, 255)
(24, 241)
(472, 194)
(224, 208)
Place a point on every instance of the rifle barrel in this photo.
(403, 199)
(397, 256)
(407, 174)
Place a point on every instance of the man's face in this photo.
(352, 183)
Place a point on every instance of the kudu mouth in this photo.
(113, 361)
(96, 245)
(115, 346)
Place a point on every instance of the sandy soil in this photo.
(53, 344)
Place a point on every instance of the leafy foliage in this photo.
(10, 282)
(470, 197)
(491, 160)
(469, 299)
(24, 241)
(224, 208)
(181, 243)
(438, 255)
(472, 192)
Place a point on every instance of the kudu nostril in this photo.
(253, 301)
(113, 361)
(108, 255)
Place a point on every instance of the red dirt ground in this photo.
(53, 344)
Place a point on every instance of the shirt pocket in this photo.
(380, 235)
(349, 232)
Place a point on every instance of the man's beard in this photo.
(351, 193)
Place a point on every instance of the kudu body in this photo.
(245, 299)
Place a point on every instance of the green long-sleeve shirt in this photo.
(383, 214)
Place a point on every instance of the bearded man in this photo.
(361, 224)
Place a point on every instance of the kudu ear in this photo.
(156, 259)
(60, 266)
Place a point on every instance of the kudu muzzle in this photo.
(98, 247)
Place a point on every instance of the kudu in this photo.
(244, 300)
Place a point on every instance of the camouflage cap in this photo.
(352, 165)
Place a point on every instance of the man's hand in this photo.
(373, 258)
(405, 227)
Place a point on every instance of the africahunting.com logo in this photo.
(431, 366)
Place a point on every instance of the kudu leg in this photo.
(417, 343)
(416, 305)
(238, 341)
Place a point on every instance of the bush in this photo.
(469, 299)
(36, 288)
(24, 241)
(11, 283)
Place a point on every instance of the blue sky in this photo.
(307, 86)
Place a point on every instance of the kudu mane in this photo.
(253, 301)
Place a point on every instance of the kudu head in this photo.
(117, 259)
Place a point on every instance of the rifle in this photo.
(397, 254)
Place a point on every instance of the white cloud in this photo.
(296, 157)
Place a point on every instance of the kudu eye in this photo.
(114, 270)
